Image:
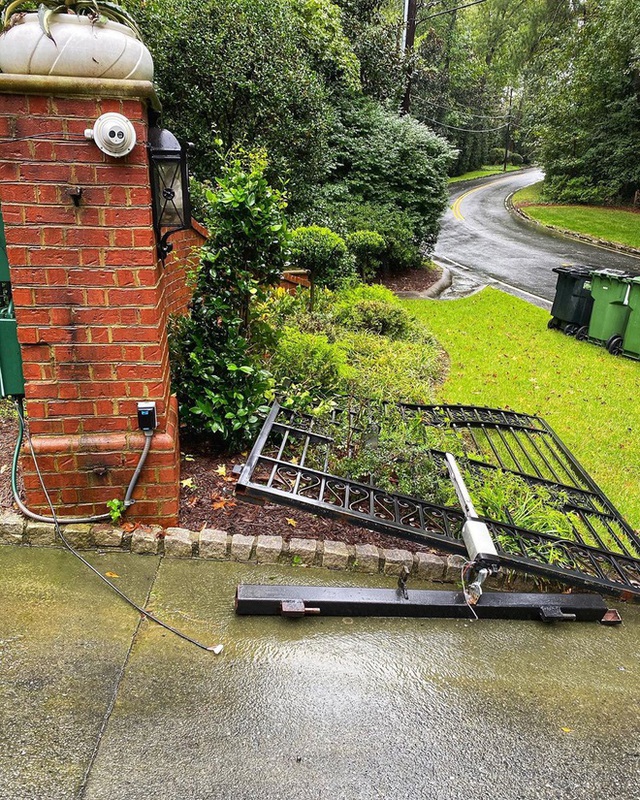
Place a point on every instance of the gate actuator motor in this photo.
(475, 534)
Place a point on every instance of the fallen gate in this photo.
(597, 549)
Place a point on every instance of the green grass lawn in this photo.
(609, 224)
(483, 172)
(502, 355)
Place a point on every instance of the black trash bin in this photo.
(573, 302)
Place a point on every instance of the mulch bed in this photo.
(411, 280)
(207, 499)
(8, 437)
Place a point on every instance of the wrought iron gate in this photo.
(291, 460)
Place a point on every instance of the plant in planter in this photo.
(76, 38)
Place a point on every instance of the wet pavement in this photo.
(483, 243)
(96, 704)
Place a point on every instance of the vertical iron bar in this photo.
(495, 452)
(526, 454)
(505, 441)
(531, 438)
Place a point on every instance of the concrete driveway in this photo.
(97, 704)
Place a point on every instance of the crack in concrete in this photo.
(114, 696)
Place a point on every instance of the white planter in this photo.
(80, 49)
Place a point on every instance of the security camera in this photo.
(114, 134)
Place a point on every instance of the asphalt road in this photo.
(480, 236)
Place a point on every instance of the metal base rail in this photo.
(300, 601)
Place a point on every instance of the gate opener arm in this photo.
(475, 534)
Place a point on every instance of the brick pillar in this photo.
(89, 296)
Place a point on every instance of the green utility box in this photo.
(11, 377)
(610, 291)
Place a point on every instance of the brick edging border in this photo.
(219, 545)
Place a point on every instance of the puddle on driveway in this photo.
(367, 708)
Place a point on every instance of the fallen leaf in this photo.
(291, 521)
(189, 458)
(111, 575)
(230, 479)
(220, 503)
(129, 527)
(3, 469)
(191, 501)
(293, 460)
(568, 730)
(222, 470)
(188, 483)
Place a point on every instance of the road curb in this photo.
(434, 291)
(517, 211)
(219, 545)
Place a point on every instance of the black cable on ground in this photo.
(24, 431)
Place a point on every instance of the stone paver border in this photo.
(219, 545)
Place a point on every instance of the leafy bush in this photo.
(308, 362)
(516, 159)
(367, 248)
(384, 369)
(391, 160)
(216, 370)
(401, 250)
(324, 254)
(394, 454)
(563, 188)
(376, 309)
(496, 155)
(251, 71)
(361, 362)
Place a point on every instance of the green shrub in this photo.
(216, 369)
(401, 250)
(384, 369)
(367, 248)
(516, 159)
(346, 347)
(324, 254)
(376, 309)
(496, 155)
(391, 160)
(565, 189)
(374, 316)
(308, 362)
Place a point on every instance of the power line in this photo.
(464, 130)
(451, 10)
(465, 110)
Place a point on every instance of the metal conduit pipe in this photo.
(128, 501)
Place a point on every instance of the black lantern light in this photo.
(170, 187)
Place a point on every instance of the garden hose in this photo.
(217, 649)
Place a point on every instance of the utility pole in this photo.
(508, 135)
(408, 41)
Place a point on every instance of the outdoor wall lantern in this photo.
(170, 187)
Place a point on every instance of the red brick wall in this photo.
(183, 258)
(91, 305)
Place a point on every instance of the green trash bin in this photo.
(629, 343)
(11, 377)
(610, 289)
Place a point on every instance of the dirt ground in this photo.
(412, 280)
